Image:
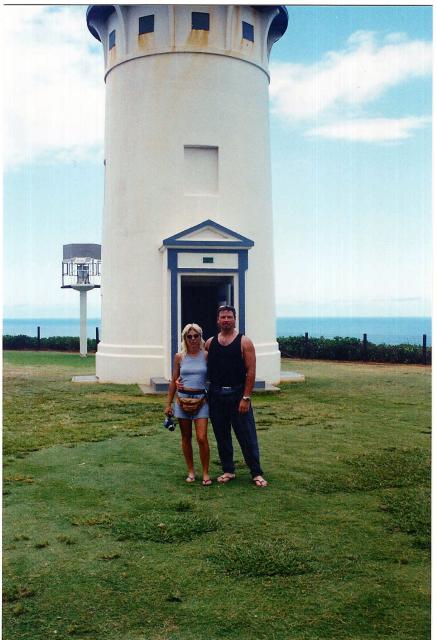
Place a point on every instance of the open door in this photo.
(201, 296)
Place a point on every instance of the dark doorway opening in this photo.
(200, 298)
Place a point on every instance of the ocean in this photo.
(379, 330)
(49, 326)
(389, 330)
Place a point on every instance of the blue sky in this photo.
(351, 159)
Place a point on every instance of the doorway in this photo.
(200, 298)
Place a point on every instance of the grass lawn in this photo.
(104, 540)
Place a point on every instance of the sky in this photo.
(350, 118)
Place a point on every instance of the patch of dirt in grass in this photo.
(110, 556)
(80, 630)
(130, 398)
(18, 478)
(265, 558)
(265, 410)
(66, 540)
(23, 372)
(147, 432)
(18, 609)
(174, 597)
(163, 527)
(13, 593)
(384, 469)
(104, 518)
(410, 511)
(41, 545)
(291, 416)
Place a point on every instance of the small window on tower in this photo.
(112, 39)
(146, 24)
(248, 31)
(200, 20)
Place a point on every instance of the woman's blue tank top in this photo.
(193, 371)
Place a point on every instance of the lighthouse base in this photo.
(125, 364)
(268, 362)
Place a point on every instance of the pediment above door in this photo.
(208, 234)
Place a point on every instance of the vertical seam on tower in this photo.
(123, 31)
(171, 25)
(229, 19)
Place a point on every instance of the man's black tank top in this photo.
(225, 364)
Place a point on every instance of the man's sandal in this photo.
(207, 483)
(190, 479)
(259, 481)
(226, 477)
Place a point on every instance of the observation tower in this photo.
(81, 265)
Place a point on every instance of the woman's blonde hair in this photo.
(185, 330)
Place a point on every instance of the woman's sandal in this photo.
(226, 477)
(207, 483)
(190, 479)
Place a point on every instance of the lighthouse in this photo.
(187, 220)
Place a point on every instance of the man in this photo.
(231, 373)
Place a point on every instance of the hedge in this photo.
(351, 349)
(347, 349)
(55, 343)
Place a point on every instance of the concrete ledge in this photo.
(160, 385)
(149, 390)
(266, 387)
(84, 379)
(152, 390)
(259, 384)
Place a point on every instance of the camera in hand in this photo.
(170, 423)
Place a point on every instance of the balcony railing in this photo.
(76, 273)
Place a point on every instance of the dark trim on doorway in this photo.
(175, 271)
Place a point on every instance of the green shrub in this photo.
(350, 349)
(55, 343)
(347, 349)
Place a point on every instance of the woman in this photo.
(190, 366)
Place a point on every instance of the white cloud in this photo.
(346, 81)
(53, 81)
(371, 129)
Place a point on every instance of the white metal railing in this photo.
(81, 272)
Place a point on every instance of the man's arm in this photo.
(249, 359)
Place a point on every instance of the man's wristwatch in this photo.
(246, 398)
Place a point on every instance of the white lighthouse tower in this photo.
(187, 218)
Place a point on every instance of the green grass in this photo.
(103, 539)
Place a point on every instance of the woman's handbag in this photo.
(191, 405)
